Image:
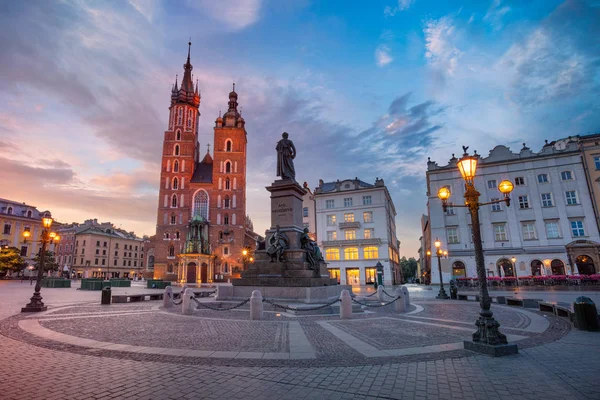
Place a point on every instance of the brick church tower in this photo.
(201, 224)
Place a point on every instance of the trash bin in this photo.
(585, 315)
(453, 290)
(106, 293)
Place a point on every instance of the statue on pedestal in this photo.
(286, 152)
(278, 243)
(313, 253)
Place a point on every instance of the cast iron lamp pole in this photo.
(36, 304)
(439, 253)
(487, 338)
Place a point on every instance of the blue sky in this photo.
(365, 88)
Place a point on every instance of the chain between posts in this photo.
(174, 300)
(217, 308)
(377, 305)
(387, 294)
(300, 309)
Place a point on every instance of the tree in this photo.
(10, 259)
(409, 267)
(49, 261)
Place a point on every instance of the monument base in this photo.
(295, 294)
(498, 350)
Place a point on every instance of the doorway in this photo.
(352, 276)
(505, 268)
(204, 273)
(558, 267)
(191, 273)
(585, 265)
(459, 270)
(370, 275)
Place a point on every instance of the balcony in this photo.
(349, 225)
(352, 242)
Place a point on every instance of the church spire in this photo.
(186, 82)
(186, 93)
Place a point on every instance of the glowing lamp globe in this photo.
(437, 243)
(26, 234)
(245, 252)
(505, 187)
(444, 193)
(47, 221)
(52, 235)
(467, 167)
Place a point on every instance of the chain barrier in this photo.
(386, 293)
(377, 305)
(372, 294)
(200, 304)
(174, 300)
(288, 308)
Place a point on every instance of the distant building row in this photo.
(550, 228)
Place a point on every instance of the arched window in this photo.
(228, 145)
(171, 251)
(226, 202)
(225, 268)
(177, 235)
(178, 135)
(170, 268)
(173, 219)
(9, 210)
(28, 213)
(174, 201)
(167, 235)
(176, 151)
(201, 204)
(176, 166)
(228, 167)
(175, 183)
(233, 219)
(225, 219)
(189, 120)
(459, 270)
(371, 252)
(558, 267)
(536, 268)
(227, 184)
(234, 205)
(220, 234)
(351, 253)
(505, 267)
(332, 254)
(179, 116)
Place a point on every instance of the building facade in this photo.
(549, 228)
(356, 229)
(16, 218)
(309, 215)
(589, 146)
(424, 258)
(201, 217)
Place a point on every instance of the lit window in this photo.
(577, 228)
(351, 253)
(371, 252)
(331, 235)
(350, 234)
(571, 196)
(547, 200)
(349, 217)
(543, 178)
(329, 204)
(519, 181)
(566, 175)
(348, 202)
(528, 231)
(332, 254)
(331, 220)
(369, 233)
(552, 230)
(368, 216)
(305, 212)
(452, 235)
(500, 233)
(523, 202)
(491, 184)
(366, 200)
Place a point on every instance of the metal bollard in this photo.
(380, 294)
(186, 304)
(406, 296)
(400, 305)
(346, 305)
(256, 305)
(167, 302)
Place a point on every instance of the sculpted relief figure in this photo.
(278, 243)
(313, 253)
(286, 152)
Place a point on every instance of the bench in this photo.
(545, 306)
(514, 302)
(137, 297)
(560, 310)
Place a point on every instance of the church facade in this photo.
(201, 226)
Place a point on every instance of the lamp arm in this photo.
(504, 200)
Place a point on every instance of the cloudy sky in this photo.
(365, 88)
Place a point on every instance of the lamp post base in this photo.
(442, 295)
(35, 305)
(497, 350)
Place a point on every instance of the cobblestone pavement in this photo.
(558, 363)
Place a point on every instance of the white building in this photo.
(309, 219)
(548, 228)
(356, 230)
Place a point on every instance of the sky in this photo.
(366, 89)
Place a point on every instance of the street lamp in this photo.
(246, 257)
(488, 338)
(36, 304)
(439, 254)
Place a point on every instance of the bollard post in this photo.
(167, 302)
(406, 296)
(346, 305)
(185, 286)
(400, 304)
(186, 304)
(380, 294)
(256, 305)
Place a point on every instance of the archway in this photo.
(191, 273)
(204, 273)
(459, 270)
(536, 268)
(585, 265)
(505, 267)
(558, 267)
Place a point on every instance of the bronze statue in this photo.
(278, 243)
(286, 152)
(313, 253)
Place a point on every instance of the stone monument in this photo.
(291, 265)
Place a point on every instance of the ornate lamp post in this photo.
(487, 339)
(439, 254)
(36, 304)
(246, 257)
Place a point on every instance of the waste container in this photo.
(106, 293)
(585, 315)
(453, 290)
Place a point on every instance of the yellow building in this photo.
(590, 149)
(16, 218)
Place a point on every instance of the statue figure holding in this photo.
(313, 253)
(278, 243)
(286, 152)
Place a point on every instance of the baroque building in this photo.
(201, 225)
